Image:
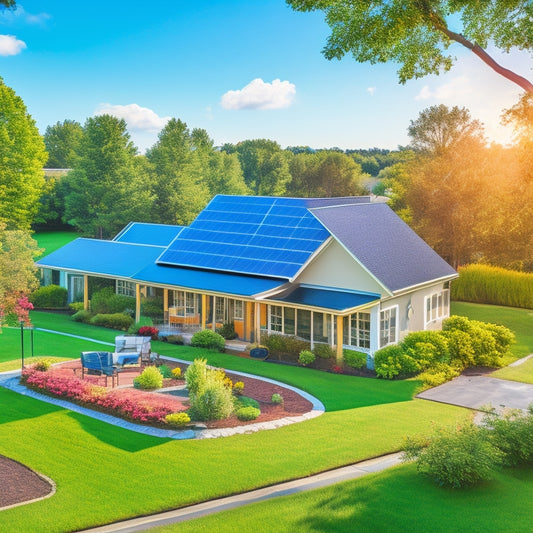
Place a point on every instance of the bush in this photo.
(277, 399)
(42, 365)
(49, 297)
(248, 413)
(195, 375)
(148, 331)
(82, 316)
(280, 345)
(114, 321)
(438, 374)
(306, 357)
(437, 351)
(238, 388)
(152, 307)
(143, 321)
(353, 358)
(455, 458)
(175, 339)
(176, 373)
(150, 379)
(208, 339)
(76, 306)
(106, 301)
(244, 401)
(213, 401)
(391, 361)
(324, 351)
(228, 331)
(165, 371)
(178, 419)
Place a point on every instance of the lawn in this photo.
(52, 240)
(522, 373)
(397, 500)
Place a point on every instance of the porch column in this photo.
(137, 302)
(340, 337)
(248, 324)
(85, 292)
(214, 321)
(374, 335)
(204, 310)
(165, 306)
(257, 328)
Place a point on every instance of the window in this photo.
(388, 326)
(437, 306)
(321, 327)
(356, 330)
(276, 318)
(303, 324)
(289, 316)
(238, 313)
(220, 310)
(126, 288)
(185, 303)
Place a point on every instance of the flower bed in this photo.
(131, 404)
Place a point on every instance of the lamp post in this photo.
(22, 343)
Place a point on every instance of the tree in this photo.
(103, 191)
(22, 156)
(417, 33)
(438, 128)
(62, 141)
(8, 3)
(17, 271)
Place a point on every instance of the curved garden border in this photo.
(10, 380)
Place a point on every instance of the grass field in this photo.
(522, 373)
(52, 240)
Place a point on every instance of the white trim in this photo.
(441, 310)
(396, 328)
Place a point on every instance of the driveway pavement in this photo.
(477, 391)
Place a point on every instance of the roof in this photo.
(94, 256)
(384, 245)
(142, 233)
(327, 299)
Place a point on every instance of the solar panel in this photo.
(250, 235)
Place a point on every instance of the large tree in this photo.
(22, 156)
(417, 34)
(62, 141)
(103, 191)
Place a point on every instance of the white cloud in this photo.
(424, 93)
(136, 117)
(260, 95)
(10, 45)
(19, 13)
(371, 91)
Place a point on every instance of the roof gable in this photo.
(384, 244)
(144, 233)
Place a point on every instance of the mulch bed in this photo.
(19, 483)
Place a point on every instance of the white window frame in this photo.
(436, 307)
(385, 317)
(238, 310)
(185, 304)
(360, 337)
(276, 318)
(125, 288)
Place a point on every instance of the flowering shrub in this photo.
(178, 419)
(148, 331)
(176, 373)
(131, 404)
(22, 309)
(337, 369)
(238, 388)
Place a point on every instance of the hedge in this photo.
(49, 297)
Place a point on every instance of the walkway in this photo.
(323, 479)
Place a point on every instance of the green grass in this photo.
(397, 500)
(104, 473)
(52, 240)
(522, 373)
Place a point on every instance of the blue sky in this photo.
(241, 69)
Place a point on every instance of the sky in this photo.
(240, 69)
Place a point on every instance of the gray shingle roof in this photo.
(385, 245)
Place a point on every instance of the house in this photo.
(343, 271)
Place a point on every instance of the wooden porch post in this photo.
(85, 292)
(248, 324)
(340, 336)
(257, 327)
(137, 302)
(204, 310)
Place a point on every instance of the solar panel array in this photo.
(249, 235)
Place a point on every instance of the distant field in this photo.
(52, 240)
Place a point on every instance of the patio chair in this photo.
(99, 363)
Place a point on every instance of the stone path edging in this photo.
(10, 380)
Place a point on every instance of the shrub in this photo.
(244, 401)
(151, 378)
(306, 357)
(208, 339)
(196, 375)
(277, 399)
(227, 331)
(49, 297)
(178, 419)
(248, 413)
(436, 351)
(438, 374)
(106, 301)
(284, 344)
(353, 358)
(148, 331)
(42, 365)
(213, 401)
(143, 321)
(165, 371)
(152, 307)
(324, 351)
(175, 339)
(76, 306)
(176, 373)
(455, 458)
(82, 316)
(238, 388)
(114, 321)
(391, 361)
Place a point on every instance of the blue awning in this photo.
(327, 299)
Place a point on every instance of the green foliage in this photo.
(152, 307)
(208, 339)
(178, 420)
(238, 388)
(248, 413)
(277, 399)
(176, 373)
(324, 351)
(438, 350)
(113, 320)
(438, 374)
(493, 285)
(166, 372)
(455, 457)
(82, 316)
(62, 141)
(22, 156)
(175, 339)
(227, 331)
(306, 357)
(76, 306)
(213, 400)
(106, 301)
(49, 297)
(144, 321)
(391, 361)
(353, 358)
(195, 375)
(280, 345)
(43, 365)
(150, 379)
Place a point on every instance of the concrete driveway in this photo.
(477, 391)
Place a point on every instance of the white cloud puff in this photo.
(136, 117)
(371, 91)
(10, 45)
(260, 95)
